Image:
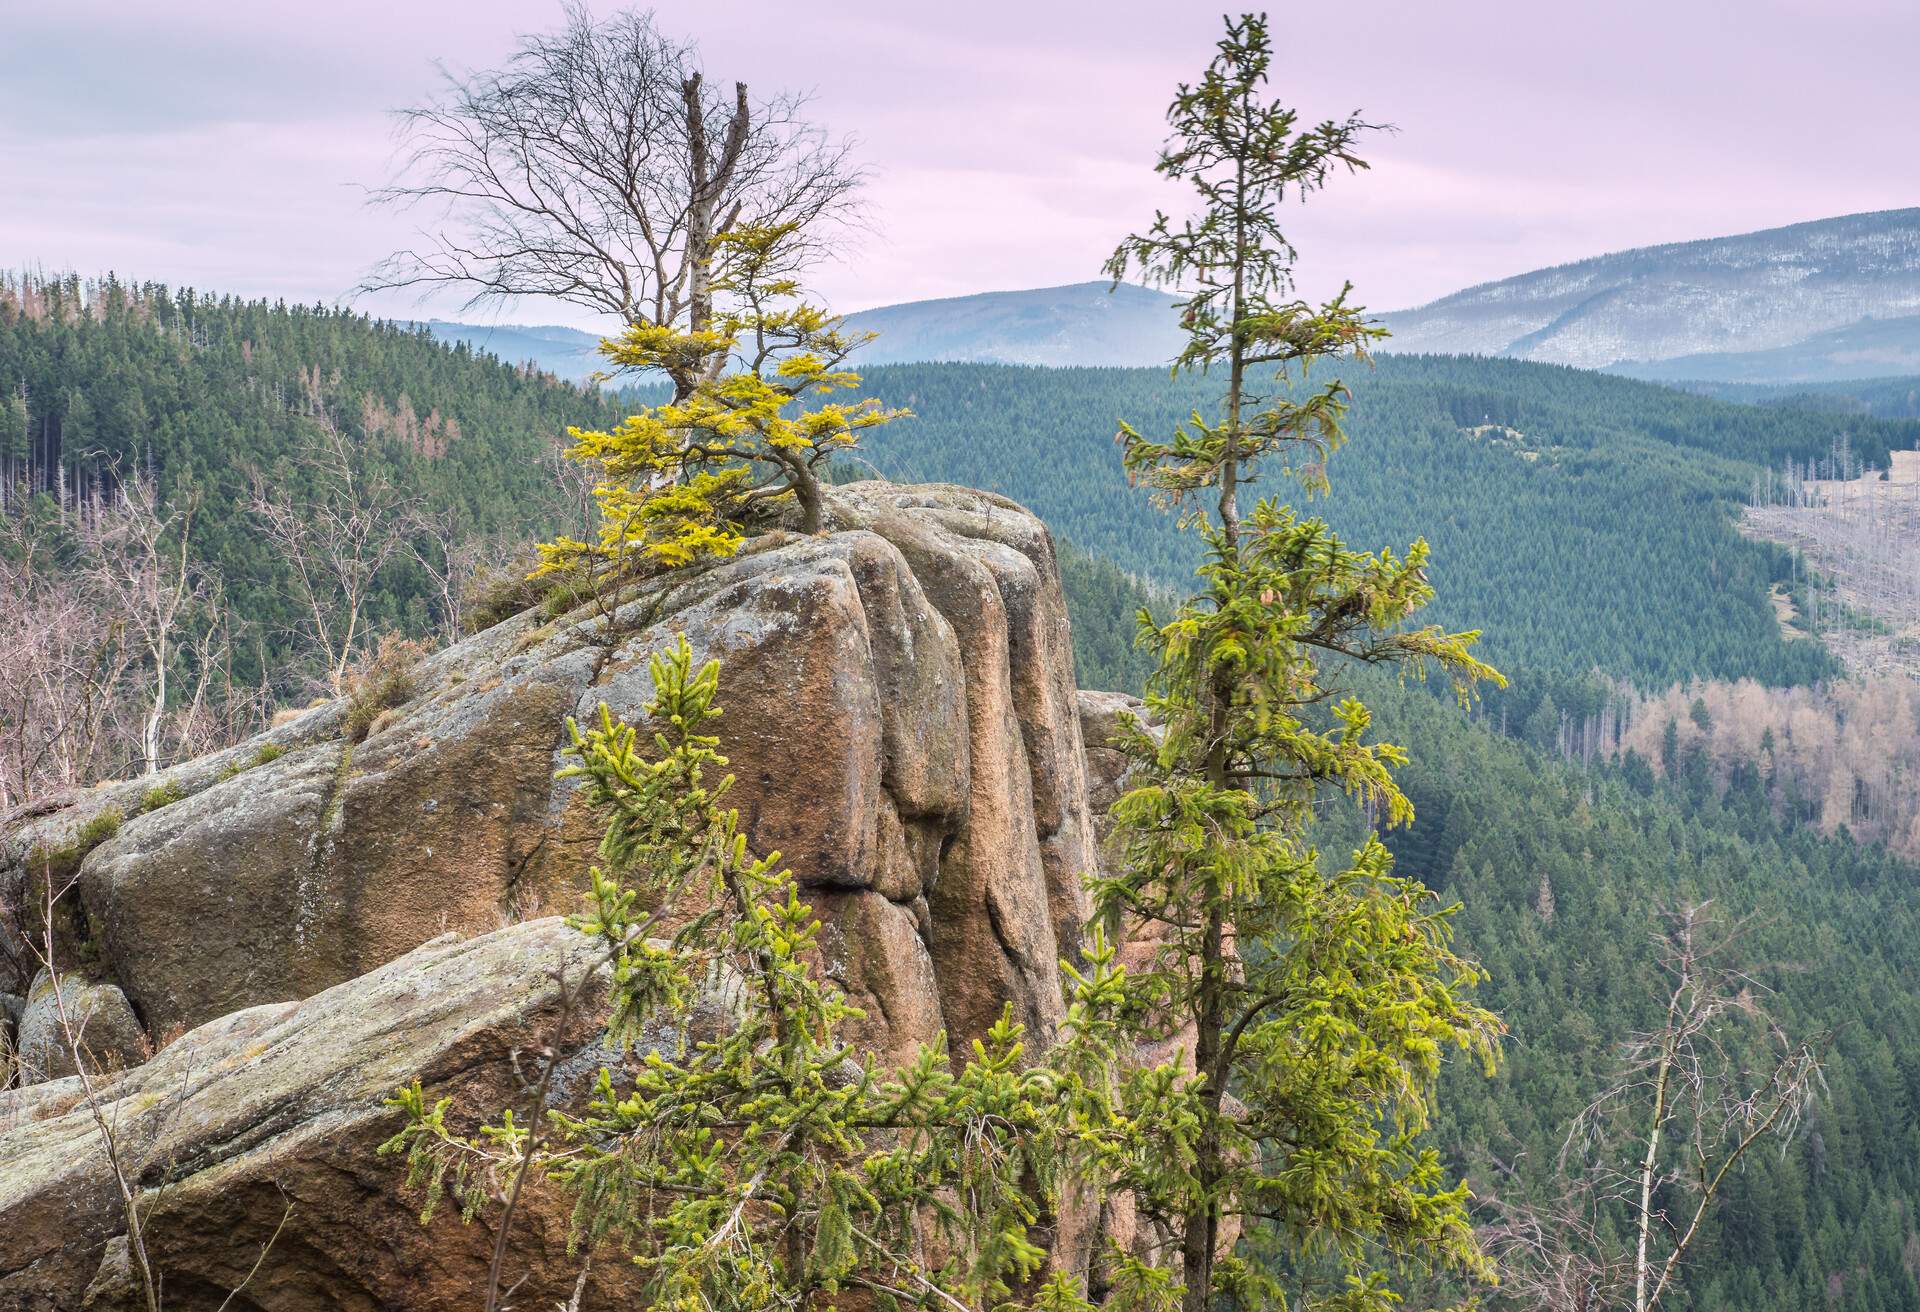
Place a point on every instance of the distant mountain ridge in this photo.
(1721, 296)
(1829, 300)
(563, 352)
(1078, 324)
(1083, 323)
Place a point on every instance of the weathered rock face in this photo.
(269, 1119)
(97, 1022)
(900, 716)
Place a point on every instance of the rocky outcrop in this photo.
(900, 717)
(97, 1024)
(253, 1140)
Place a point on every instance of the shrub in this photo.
(378, 682)
(269, 752)
(165, 794)
(498, 593)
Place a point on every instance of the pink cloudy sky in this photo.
(223, 144)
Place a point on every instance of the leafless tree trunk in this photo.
(62, 662)
(335, 541)
(72, 1035)
(143, 569)
(105, 1115)
(598, 167)
(1691, 1098)
(450, 558)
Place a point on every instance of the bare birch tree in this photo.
(451, 558)
(62, 661)
(1691, 1098)
(598, 167)
(143, 569)
(335, 539)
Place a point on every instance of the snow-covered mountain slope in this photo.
(1080, 324)
(1752, 293)
(1085, 323)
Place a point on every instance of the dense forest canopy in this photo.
(101, 380)
(1561, 872)
(1583, 521)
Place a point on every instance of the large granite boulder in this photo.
(98, 1027)
(253, 1139)
(900, 717)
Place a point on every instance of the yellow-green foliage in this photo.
(160, 795)
(1320, 996)
(829, 1174)
(677, 479)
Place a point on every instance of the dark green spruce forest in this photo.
(1561, 872)
(1584, 522)
(204, 390)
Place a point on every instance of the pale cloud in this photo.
(224, 144)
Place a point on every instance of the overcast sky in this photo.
(224, 145)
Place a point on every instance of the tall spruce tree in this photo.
(1316, 1005)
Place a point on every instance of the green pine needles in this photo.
(1316, 1006)
(771, 1166)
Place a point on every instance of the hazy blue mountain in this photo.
(1079, 324)
(1748, 296)
(1881, 398)
(564, 352)
(1871, 348)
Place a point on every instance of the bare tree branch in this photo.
(597, 167)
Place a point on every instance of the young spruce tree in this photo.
(758, 423)
(774, 1167)
(1317, 1004)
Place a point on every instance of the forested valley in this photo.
(215, 503)
(1587, 523)
(1583, 522)
(1663, 740)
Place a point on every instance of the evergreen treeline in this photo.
(1583, 521)
(1885, 398)
(102, 379)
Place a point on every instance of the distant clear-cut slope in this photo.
(1757, 292)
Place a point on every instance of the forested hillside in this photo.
(1563, 873)
(98, 382)
(1886, 398)
(1582, 521)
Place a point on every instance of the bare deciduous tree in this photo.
(451, 558)
(140, 1202)
(335, 540)
(1690, 1100)
(62, 659)
(143, 569)
(597, 167)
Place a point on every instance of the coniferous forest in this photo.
(104, 381)
(1586, 522)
